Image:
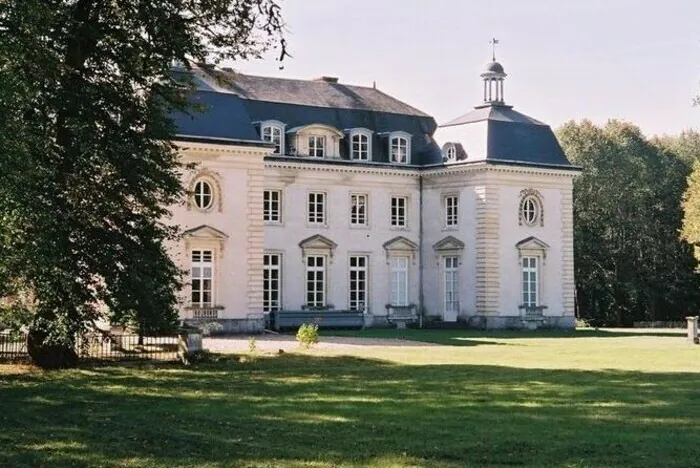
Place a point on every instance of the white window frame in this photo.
(314, 217)
(531, 208)
(397, 219)
(316, 150)
(358, 279)
(451, 153)
(395, 148)
(530, 280)
(530, 211)
(359, 154)
(450, 275)
(311, 278)
(272, 284)
(450, 207)
(270, 214)
(199, 263)
(267, 133)
(199, 194)
(359, 210)
(398, 280)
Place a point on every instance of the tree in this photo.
(630, 263)
(87, 163)
(691, 210)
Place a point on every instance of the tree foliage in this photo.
(689, 144)
(630, 262)
(87, 166)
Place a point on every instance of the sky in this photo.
(637, 61)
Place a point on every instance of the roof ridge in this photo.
(373, 99)
(304, 80)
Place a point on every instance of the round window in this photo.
(530, 211)
(203, 197)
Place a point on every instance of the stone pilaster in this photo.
(567, 251)
(256, 236)
(487, 250)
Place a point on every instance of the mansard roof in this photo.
(215, 116)
(514, 137)
(316, 93)
(233, 102)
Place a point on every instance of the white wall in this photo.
(552, 269)
(234, 171)
(434, 190)
(295, 181)
(242, 175)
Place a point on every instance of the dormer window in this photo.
(273, 132)
(360, 144)
(317, 146)
(451, 154)
(399, 147)
(315, 140)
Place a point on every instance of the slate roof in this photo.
(235, 104)
(515, 137)
(314, 93)
(216, 115)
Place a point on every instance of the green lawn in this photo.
(604, 399)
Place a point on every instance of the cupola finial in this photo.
(493, 76)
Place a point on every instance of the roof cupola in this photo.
(493, 76)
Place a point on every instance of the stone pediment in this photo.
(204, 232)
(532, 243)
(317, 242)
(449, 243)
(400, 244)
(316, 126)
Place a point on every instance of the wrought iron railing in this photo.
(103, 347)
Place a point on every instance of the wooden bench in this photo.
(288, 319)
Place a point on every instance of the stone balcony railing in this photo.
(207, 313)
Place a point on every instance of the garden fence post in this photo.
(692, 329)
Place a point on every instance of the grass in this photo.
(583, 399)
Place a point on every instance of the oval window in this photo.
(203, 195)
(530, 211)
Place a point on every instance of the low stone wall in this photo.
(213, 327)
(659, 324)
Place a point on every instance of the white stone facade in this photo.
(484, 238)
(352, 204)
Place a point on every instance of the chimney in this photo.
(327, 79)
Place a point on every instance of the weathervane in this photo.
(493, 43)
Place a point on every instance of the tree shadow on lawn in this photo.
(344, 411)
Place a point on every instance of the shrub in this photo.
(307, 335)
(252, 345)
(582, 323)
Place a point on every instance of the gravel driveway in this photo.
(273, 343)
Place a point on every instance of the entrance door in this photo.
(450, 274)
